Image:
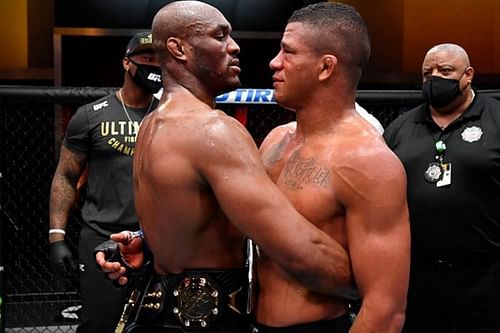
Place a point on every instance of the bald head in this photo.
(181, 19)
(452, 49)
(448, 61)
(195, 49)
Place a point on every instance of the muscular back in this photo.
(182, 221)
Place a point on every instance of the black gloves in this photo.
(112, 254)
(140, 259)
(61, 260)
(111, 251)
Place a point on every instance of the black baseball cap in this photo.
(140, 43)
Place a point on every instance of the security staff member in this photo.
(450, 147)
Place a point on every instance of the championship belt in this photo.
(127, 311)
(130, 309)
(214, 300)
(197, 302)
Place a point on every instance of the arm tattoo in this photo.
(63, 191)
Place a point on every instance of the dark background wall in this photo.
(401, 32)
(260, 15)
(96, 60)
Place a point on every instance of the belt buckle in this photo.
(197, 302)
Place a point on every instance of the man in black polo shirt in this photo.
(450, 147)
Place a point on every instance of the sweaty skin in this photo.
(338, 173)
(331, 165)
(185, 226)
(318, 175)
(199, 183)
(183, 198)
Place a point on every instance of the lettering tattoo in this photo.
(298, 172)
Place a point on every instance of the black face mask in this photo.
(148, 77)
(440, 92)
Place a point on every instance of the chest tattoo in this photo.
(275, 154)
(298, 172)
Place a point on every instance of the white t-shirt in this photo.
(369, 118)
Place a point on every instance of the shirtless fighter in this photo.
(337, 171)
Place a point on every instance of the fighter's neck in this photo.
(187, 91)
(321, 118)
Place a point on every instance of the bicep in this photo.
(71, 164)
(255, 205)
(250, 199)
(240, 182)
(64, 185)
(378, 233)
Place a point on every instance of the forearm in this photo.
(327, 269)
(62, 198)
(309, 255)
(379, 316)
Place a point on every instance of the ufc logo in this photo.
(154, 77)
(100, 105)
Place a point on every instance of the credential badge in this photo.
(433, 172)
(472, 134)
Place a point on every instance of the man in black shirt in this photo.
(102, 135)
(450, 147)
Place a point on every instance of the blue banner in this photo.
(247, 96)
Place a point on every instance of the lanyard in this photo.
(439, 172)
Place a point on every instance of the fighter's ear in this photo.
(327, 66)
(176, 48)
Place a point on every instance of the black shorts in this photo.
(337, 325)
